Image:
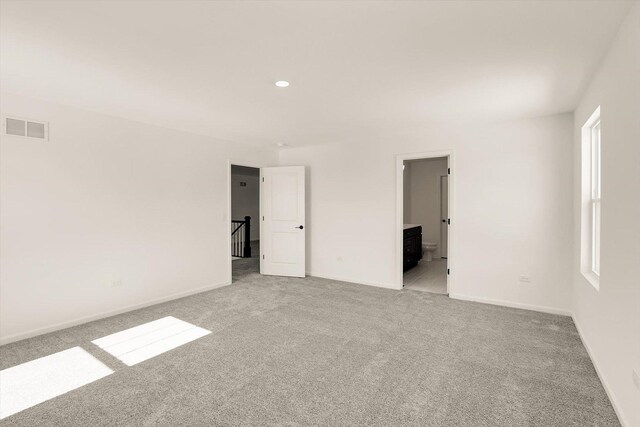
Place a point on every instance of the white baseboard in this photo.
(605, 385)
(349, 280)
(540, 308)
(543, 309)
(67, 324)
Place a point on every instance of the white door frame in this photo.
(400, 158)
(440, 196)
(228, 218)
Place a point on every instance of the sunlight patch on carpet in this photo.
(39, 380)
(148, 340)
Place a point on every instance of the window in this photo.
(595, 198)
(591, 198)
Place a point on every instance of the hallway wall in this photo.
(245, 201)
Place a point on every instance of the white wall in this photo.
(406, 189)
(513, 208)
(609, 319)
(425, 199)
(245, 201)
(107, 201)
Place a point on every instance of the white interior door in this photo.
(444, 214)
(282, 208)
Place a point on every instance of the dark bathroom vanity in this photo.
(412, 246)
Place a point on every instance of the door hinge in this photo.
(449, 221)
(262, 256)
(448, 171)
(263, 217)
(448, 271)
(263, 179)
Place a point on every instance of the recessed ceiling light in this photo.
(282, 83)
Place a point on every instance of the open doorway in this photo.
(266, 217)
(245, 224)
(425, 215)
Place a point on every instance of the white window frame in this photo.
(591, 219)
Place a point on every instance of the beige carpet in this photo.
(303, 352)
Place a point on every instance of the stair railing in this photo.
(241, 237)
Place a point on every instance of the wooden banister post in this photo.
(247, 237)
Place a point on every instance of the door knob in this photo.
(300, 227)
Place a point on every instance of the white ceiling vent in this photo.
(26, 128)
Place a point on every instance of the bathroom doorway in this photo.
(426, 221)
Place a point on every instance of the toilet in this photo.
(428, 248)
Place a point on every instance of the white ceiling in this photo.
(354, 67)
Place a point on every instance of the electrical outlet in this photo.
(524, 279)
(636, 378)
(339, 259)
(116, 283)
